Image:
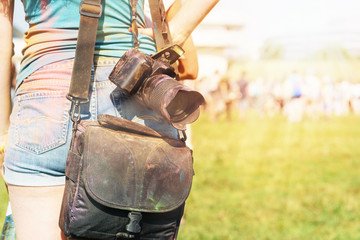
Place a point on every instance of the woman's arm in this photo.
(183, 19)
(6, 16)
(188, 18)
(188, 64)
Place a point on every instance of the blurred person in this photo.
(274, 99)
(210, 83)
(209, 87)
(228, 95)
(34, 170)
(342, 98)
(255, 91)
(278, 95)
(355, 99)
(327, 96)
(295, 105)
(221, 100)
(312, 95)
(215, 104)
(243, 102)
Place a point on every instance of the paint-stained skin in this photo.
(6, 7)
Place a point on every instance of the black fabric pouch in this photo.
(124, 180)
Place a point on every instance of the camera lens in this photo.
(177, 103)
(184, 107)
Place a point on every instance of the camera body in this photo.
(131, 71)
(152, 79)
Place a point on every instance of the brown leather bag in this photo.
(117, 169)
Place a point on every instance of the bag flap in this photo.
(136, 172)
(117, 123)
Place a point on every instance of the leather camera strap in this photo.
(90, 12)
(134, 26)
(161, 27)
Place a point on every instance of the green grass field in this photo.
(270, 179)
(3, 202)
(267, 179)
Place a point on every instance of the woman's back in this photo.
(53, 30)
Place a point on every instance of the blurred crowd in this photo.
(297, 96)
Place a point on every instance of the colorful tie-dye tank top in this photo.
(53, 30)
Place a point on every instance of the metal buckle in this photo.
(134, 225)
(170, 54)
(75, 107)
(73, 112)
(74, 99)
(90, 14)
(182, 135)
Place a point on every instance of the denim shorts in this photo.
(40, 126)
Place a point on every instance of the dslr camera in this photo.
(153, 80)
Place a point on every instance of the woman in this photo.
(39, 132)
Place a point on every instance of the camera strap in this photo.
(162, 31)
(134, 26)
(161, 28)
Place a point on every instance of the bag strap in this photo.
(90, 12)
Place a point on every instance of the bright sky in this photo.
(310, 22)
(279, 16)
